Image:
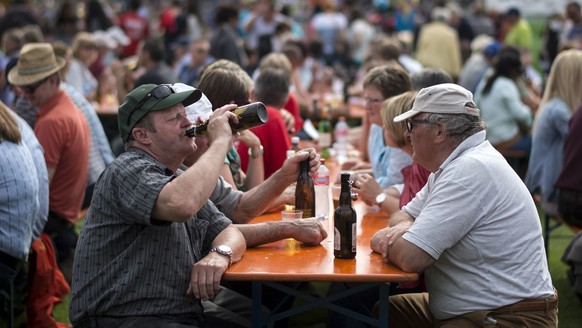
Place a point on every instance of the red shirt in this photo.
(168, 21)
(63, 133)
(415, 177)
(292, 106)
(275, 141)
(136, 28)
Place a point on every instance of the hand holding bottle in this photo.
(247, 116)
(218, 124)
(291, 165)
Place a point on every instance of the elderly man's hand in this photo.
(206, 275)
(308, 231)
(384, 238)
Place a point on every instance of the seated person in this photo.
(507, 113)
(23, 204)
(415, 176)
(381, 83)
(561, 99)
(272, 89)
(225, 82)
(153, 246)
(569, 180)
(473, 229)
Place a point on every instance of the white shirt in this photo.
(478, 220)
(81, 78)
(502, 110)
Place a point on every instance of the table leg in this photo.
(384, 305)
(257, 304)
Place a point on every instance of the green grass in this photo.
(569, 305)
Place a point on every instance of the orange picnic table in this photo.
(289, 261)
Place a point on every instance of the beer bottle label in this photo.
(354, 237)
(336, 239)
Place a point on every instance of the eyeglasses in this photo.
(373, 100)
(411, 123)
(160, 92)
(31, 88)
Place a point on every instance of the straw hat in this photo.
(36, 62)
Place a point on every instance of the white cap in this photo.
(117, 34)
(480, 42)
(446, 98)
(441, 14)
(103, 39)
(200, 110)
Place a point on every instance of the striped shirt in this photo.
(127, 263)
(29, 139)
(19, 187)
(100, 153)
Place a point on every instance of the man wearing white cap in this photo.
(473, 229)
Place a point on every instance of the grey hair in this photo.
(458, 127)
(146, 122)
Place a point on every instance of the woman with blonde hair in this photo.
(414, 175)
(84, 54)
(561, 98)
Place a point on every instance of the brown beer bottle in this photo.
(249, 116)
(305, 191)
(344, 239)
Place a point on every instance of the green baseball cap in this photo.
(148, 98)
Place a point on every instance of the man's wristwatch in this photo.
(253, 155)
(380, 198)
(224, 250)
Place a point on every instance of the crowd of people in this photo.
(461, 141)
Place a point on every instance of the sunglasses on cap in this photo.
(160, 92)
